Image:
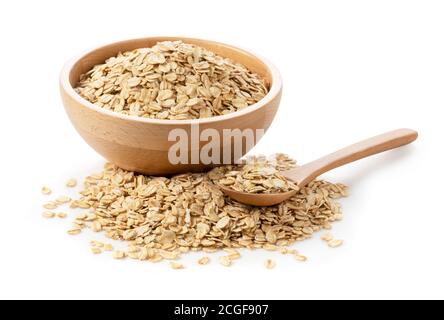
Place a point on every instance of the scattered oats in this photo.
(61, 215)
(71, 183)
(119, 255)
(271, 236)
(74, 232)
(284, 250)
(327, 237)
(79, 204)
(96, 226)
(155, 258)
(176, 265)
(108, 247)
(96, 250)
(133, 255)
(171, 80)
(144, 253)
(90, 217)
(335, 243)
(232, 253)
(63, 199)
(46, 190)
(95, 243)
(203, 261)
(169, 255)
(222, 223)
(337, 217)
(161, 218)
(234, 256)
(133, 249)
(81, 216)
(78, 224)
(270, 247)
(292, 251)
(133, 82)
(225, 261)
(50, 206)
(269, 264)
(184, 249)
(300, 257)
(48, 214)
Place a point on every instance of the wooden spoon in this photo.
(305, 174)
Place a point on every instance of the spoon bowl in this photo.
(303, 175)
(259, 200)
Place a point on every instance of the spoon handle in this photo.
(387, 141)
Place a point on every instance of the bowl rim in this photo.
(275, 88)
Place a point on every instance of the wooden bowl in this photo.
(141, 144)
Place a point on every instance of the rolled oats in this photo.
(50, 206)
(335, 243)
(71, 183)
(96, 250)
(97, 244)
(48, 214)
(258, 175)
(300, 257)
(171, 80)
(119, 255)
(203, 261)
(161, 218)
(327, 237)
(62, 200)
(232, 254)
(225, 261)
(176, 265)
(61, 215)
(74, 231)
(269, 264)
(46, 190)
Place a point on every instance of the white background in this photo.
(351, 69)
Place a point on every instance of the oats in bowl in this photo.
(133, 123)
(171, 80)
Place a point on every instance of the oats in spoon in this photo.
(257, 175)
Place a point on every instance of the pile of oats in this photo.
(171, 80)
(161, 218)
(258, 175)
